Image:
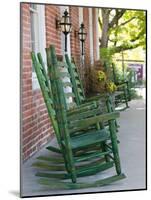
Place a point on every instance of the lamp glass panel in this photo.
(84, 36)
(80, 36)
(63, 28)
(67, 27)
(63, 19)
(67, 19)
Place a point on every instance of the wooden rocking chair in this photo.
(64, 126)
(122, 95)
(104, 100)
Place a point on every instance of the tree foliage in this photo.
(122, 29)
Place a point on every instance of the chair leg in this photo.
(110, 108)
(73, 176)
(115, 146)
(66, 163)
(128, 92)
(103, 146)
(125, 97)
(70, 165)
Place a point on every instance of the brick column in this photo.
(53, 35)
(74, 39)
(87, 48)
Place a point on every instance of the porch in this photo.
(132, 149)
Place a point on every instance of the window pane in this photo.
(33, 6)
(34, 28)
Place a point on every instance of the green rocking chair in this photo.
(122, 95)
(71, 165)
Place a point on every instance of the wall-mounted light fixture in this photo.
(82, 36)
(65, 26)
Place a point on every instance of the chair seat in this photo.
(90, 138)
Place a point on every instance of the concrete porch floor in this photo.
(132, 152)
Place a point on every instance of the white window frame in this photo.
(40, 38)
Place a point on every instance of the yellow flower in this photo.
(101, 76)
(111, 87)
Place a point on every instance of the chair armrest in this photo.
(97, 97)
(84, 114)
(93, 120)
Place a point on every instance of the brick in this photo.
(26, 107)
(26, 100)
(27, 113)
(26, 121)
(52, 35)
(26, 133)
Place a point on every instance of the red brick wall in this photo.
(53, 35)
(36, 129)
(87, 47)
(74, 39)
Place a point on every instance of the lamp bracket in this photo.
(75, 33)
(58, 26)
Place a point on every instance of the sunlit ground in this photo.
(141, 92)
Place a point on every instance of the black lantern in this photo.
(82, 36)
(65, 26)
